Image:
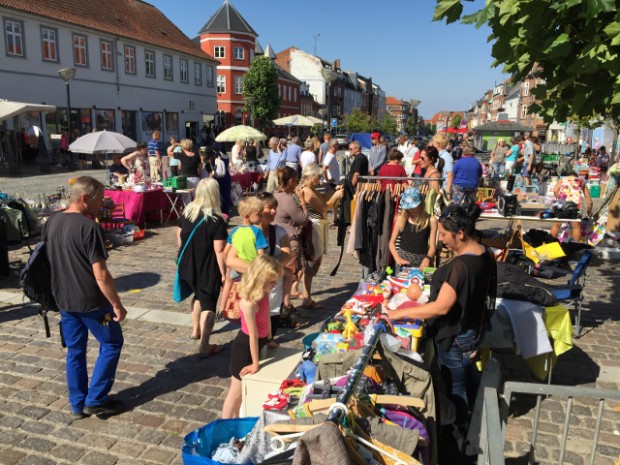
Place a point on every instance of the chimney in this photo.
(336, 65)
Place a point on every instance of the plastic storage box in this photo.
(120, 238)
(178, 182)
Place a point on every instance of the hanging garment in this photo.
(323, 445)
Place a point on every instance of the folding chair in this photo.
(572, 292)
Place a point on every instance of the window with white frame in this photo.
(284, 90)
(523, 111)
(239, 53)
(184, 68)
(219, 51)
(130, 59)
(107, 64)
(14, 38)
(80, 51)
(167, 67)
(49, 44)
(221, 84)
(526, 88)
(197, 74)
(149, 63)
(210, 76)
(238, 85)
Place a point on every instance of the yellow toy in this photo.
(350, 329)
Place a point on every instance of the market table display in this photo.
(138, 204)
(246, 180)
(538, 334)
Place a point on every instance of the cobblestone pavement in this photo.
(169, 391)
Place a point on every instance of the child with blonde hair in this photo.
(256, 284)
(248, 239)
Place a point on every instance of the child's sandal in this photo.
(272, 344)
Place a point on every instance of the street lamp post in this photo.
(248, 103)
(330, 76)
(66, 75)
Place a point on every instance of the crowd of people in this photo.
(270, 259)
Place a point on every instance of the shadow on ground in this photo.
(140, 280)
(175, 376)
(17, 312)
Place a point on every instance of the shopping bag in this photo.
(200, 444)
(181, 290)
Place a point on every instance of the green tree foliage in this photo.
(389, 124)
(430, 128)
(456, 121)
(261, 84)
(374, 124)
(357, 121)
(575, 42)
(411, 126)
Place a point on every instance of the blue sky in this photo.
(395, 42)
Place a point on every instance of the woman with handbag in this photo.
(318, 204)
(293, 217)
(201, 236)
(462, 294)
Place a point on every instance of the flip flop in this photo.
(312, 304)
(214, 349)
(194, 337)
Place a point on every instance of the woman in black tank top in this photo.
(413, 239)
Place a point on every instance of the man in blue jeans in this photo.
(85, 292)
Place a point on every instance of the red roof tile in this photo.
(130, 19)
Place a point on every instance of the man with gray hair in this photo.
(275, 160)
(86, 294)
(293, 151)
(359, 165)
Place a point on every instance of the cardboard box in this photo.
(275, 368)
(613, 215)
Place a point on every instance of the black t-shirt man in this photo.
(359, 165)
(74, 243)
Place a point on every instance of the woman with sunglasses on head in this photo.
(428, 159)
(462, 291)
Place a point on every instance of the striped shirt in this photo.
(152, 146)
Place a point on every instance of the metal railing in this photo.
(493, 436)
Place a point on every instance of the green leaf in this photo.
(560, 47)
(451, 10)
(596, 7)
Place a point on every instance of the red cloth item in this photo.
(392, 171)
(138, 204)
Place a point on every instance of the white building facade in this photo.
(124, 83)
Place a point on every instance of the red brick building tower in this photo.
(232, 40)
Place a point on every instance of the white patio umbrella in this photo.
(315, 120)
(9, 109)
(294, 120)
(240, 132)
(102, 141)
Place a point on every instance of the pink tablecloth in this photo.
(246, 180)
(138, 204)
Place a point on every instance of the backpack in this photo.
(219, 168)
(35, 280)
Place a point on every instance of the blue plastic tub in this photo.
(200, 444)
(308, 339)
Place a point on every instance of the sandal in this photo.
(311, 304)
(272, 344)
(212, 350)
(287, 310)
(193, 336)
(287, 322)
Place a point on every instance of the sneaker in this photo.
(112, 407)
(79, 415)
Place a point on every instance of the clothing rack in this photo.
(339, 408)
(398, 178)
